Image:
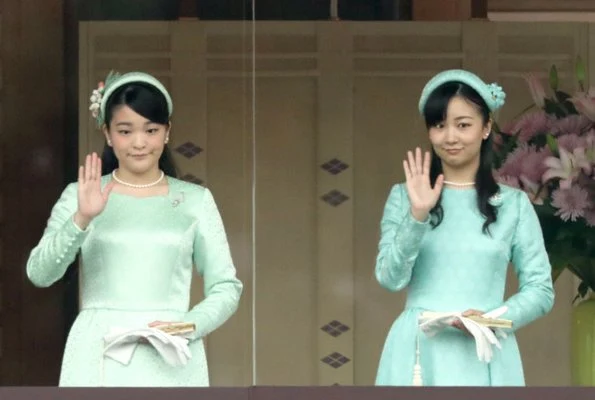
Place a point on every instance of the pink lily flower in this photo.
(536, 89)
(563, 168)
(584, 102)
(581, 161)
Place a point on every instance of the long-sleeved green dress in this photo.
(456, 267)
(137, 259)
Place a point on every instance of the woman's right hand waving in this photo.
(422, 196)
(91, 198)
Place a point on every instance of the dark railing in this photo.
(298, 393)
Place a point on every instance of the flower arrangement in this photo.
(549, 152)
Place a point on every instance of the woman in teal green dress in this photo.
(448, 235)
(140, 233)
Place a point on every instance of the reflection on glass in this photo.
(299, 122)
(336, 108)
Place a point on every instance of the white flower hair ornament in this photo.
(97, 96)
(96, 100)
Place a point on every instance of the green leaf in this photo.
(577, 297)
(565, 104)
(580, 71)
(570, 108)
(552, 107)
(553, 78)
(509, 143)
(556, 273)
(562, 96)
(583, 268)
(582, 290)
(552, 143)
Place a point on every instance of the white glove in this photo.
(484, 339)
(173, 349)
(431, 323)
(120, 344)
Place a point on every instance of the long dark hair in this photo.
(485, 183)
(147, 101)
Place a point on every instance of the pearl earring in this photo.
(166, 140)
(109, 142)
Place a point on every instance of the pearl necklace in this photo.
(460, 184)
(137, 186)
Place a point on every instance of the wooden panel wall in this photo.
(32, 177)
(303, 163)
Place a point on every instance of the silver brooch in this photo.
(496, 199)
(177, 199)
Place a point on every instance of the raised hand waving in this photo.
(91, 198)
(422, 196)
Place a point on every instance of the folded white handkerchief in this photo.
(431, 323)
(120, 344)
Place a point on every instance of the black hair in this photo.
(148, 101)
(486, 186)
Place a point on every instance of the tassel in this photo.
(334, 10)
(417, 380)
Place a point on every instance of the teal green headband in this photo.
(492, 94)
(113, 81)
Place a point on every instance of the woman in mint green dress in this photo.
(448, 235)
(140, 232)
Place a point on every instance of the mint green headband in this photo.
(113, 81)
(492, 94)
